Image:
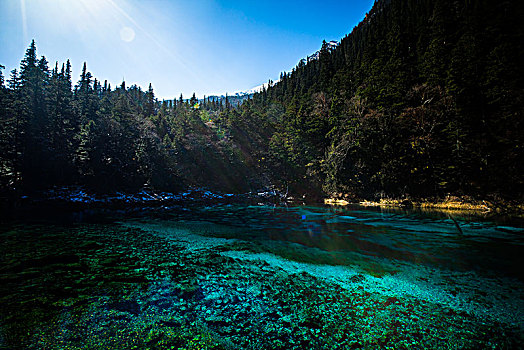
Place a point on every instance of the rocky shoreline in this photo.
(451, 203)
(75, 198)
(78, 199)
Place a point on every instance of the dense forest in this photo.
(57, 134)
(423, 98)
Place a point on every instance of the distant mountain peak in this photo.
(331, 45)
(258, 88)
(251, 91)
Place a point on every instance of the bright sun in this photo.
(127, 34)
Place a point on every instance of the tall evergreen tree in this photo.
(150, 102)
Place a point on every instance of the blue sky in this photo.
(202, 46)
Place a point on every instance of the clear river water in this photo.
(196, 276)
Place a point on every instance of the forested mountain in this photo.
(422, 98)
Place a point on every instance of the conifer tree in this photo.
(150, 102)
(193, 100)
(32, 117)
(2, 76)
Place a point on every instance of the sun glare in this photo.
(91, 20)
(94, 6)
(119, 26)
(127, 34)
(24, 18)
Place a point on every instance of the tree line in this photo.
(423, 98)
(54, 133)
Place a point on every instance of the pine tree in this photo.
(2, 76)
(7, 167)
(34, 75)
(150, 102)
(14, 81)
(61, 125)
(68, 77)
(193, 100)
(227, 102)
(83, 95)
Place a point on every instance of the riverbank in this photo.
(451, 203)
(77, 198)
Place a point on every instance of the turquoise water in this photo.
(429, 238)
(154, 278)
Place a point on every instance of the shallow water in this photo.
(426, 238)
(109, 278)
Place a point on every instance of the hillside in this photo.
(422, 99)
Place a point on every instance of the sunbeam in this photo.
(24, 19)
(163, 48)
